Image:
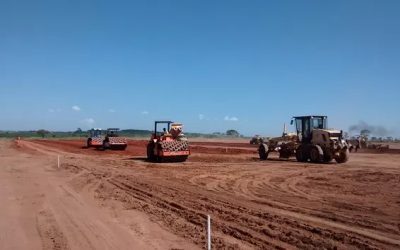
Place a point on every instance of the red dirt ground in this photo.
(138, 147)
(274, 204)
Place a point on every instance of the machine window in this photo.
(318, 123)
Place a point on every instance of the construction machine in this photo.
(95, 138)
(357, 142)
(312, 141)
(256, 140)
(285, 145)
(169, 145)
(112, 140)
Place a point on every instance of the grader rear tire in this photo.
(315, 155)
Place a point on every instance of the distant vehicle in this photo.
(112, 140)
(256, 140)
(95, 138)
(313, 141)
(168, 145)
(108, 139)
(356, 143)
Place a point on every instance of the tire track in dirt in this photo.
(241, 214)
(76, 217)
(195, 218)
(51, 235)
(241, 185)
(299, 216)
(288, 216)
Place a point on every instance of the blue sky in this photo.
(213, 65)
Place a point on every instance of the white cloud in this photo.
(76, 108)
(111, 110)
(88, 122)
(201, 117)
(231, 118)
(145, 112)
(51, 110)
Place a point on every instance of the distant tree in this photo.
(42, 132)
(232, 132)
(78, 131)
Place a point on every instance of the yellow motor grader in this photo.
(313, 141)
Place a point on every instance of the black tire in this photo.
(285, 152)
(263, 151)
(181, 158)
(150, 152)
(106, 145)
(327, 158)
(343, 156)
(315, 155)
(300, 157)
(119, 147)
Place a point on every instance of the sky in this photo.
(212, 65)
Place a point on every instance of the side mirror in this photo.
(291, 122)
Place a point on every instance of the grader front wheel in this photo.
(343, 156)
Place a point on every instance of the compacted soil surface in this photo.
(117, 200)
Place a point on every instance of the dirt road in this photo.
(117, 199)
(43, 208)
